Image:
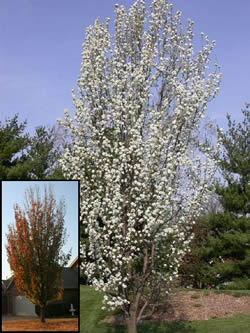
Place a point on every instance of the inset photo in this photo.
(40, 251)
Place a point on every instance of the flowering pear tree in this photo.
(144, 175)
(34, 248)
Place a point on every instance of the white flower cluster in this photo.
(142, 95)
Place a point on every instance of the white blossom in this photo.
(143, 175)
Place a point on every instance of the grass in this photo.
(91, 314)
(235, 293)
(235, 324)
(206, 292)
(63, 324)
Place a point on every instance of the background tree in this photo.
(34, 248)
(142, 94)
(13, 145)
(223, 252)
(23, 156)
(43, 154)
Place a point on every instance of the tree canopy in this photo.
(142, 94)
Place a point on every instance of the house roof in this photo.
(69, 275)
(5, 283)
(74, 262)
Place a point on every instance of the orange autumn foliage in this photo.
(34, 247)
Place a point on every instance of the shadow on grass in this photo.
(177, 327)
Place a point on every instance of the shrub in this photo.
(206, 292)
(237, 284)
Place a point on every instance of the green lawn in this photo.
(206, 292)
(91, 314)
(235, 293)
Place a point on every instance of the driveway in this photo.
(19, 317)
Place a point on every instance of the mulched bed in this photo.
(194, 305)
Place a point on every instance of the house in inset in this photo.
(14, 303)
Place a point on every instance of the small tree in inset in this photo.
(34, 248)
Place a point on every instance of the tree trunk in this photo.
(131, 322)
(42, 314)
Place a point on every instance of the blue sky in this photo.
(41, 53)
(13, 192)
